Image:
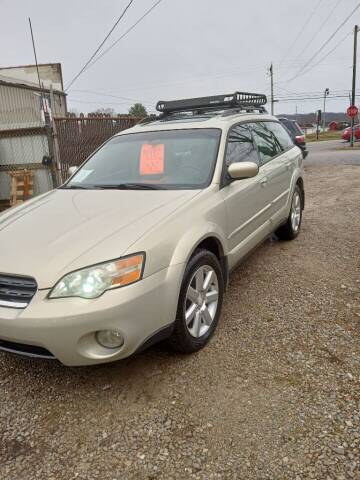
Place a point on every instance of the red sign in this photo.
(352, 111)
(152, 159)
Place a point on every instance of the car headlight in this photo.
(93, 281)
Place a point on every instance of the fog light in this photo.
(110, 338)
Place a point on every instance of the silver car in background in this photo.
(138, 244)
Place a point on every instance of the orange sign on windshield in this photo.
(152, 159)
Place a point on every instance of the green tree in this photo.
(106, 111)
(138, 110)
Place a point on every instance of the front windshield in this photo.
(172, 159)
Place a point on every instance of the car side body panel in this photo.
(173, 240)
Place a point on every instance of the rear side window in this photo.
(268, 145)
(289, 125)
(292, 126)
(281, 134)
(240, 146)
(298, 129)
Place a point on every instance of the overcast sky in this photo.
(186, 48)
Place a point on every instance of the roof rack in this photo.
(237, 100)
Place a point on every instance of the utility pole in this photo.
(326, 93)
(271, 70)
(353, 98)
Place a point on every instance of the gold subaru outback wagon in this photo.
(138, 244)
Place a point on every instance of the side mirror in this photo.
(72, 170)
(238, 170)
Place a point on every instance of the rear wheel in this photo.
(200, 303)
(291, 228)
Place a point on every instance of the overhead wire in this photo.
(124, 34)
(329, 53)
(193, 80)
(325, 43)
(311, 99)
(101, 45)
(308, 19)
(318, 30)
(77, 100)
(102, 94)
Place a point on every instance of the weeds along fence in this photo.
(77, 137)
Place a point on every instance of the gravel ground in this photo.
(274, 396)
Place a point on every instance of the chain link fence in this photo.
(26, 141)
(39, 142)
(78, 137)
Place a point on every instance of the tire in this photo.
(291, 228)
(192, 334)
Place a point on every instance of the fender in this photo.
(188, 243)
(193, 238)
(298, 174)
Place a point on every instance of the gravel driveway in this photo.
(274, 396)
(332, 152)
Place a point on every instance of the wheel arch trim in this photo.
(187, 246)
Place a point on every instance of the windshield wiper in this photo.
(130, 186)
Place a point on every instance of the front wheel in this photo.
(200, 303)
(291, 228)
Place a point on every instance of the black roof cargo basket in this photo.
(218, 102)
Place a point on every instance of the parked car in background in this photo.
(296, 134)
(342, 125)
(347, 133)
(138, 244)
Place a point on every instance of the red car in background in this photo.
(347, 133)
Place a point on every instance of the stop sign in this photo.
(352, 111)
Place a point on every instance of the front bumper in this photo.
(66, 327)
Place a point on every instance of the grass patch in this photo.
(330, 135)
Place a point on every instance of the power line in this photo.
(317, 93)
(100, 46)
(321, 59)
(317, 97)
(101, 94)
(301, 31)
(124, 34)
(319, 29)
(314, 95)
(97, 102)
(306, 99)
(329, 53)
(193, 80)
(325, 43)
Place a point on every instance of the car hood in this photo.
(65, 230)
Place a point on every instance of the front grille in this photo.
(16, 291)
(23, 349)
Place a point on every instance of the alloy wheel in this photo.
(201, 301)
(296, 212)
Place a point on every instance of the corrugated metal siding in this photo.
(20, 108)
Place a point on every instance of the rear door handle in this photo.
(288, 165)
